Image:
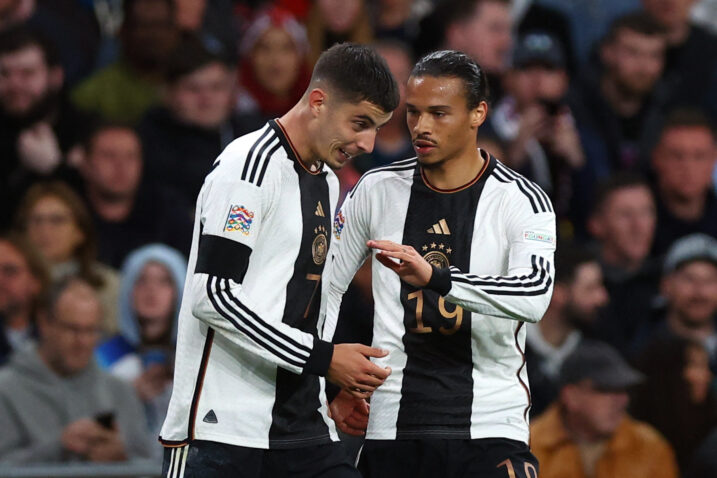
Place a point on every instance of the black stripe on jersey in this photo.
(200, 381)
(222, 257)
(529, 188)
(249, 157)
(266, 164)
(263, 158)
(295, 417)
(215, 165)
(247, 328)
(403, 165)
(524, 287)
(437, 385)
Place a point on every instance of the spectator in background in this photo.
(128, 212)
(210, 20)
(676, 397)
(274, 71)
(57, 405)
(67, 24)
(24, 279)
(38, 126)
(618, 106)
(578, 296)
(691, 56)
(481, 29)
(587, 431)
(143, 352)
(534, 121)
(182, 138)
(689, 286)
(337, 21)
(397, 20)
(623, 224)
(683, 161)
(124, 90)
(53, 218)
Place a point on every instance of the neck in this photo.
(684, 207)
(698, 332)
(677, 34)
(554, 328)
(578, 432)
(614, 258)
(294, 124)
(457, 171)
(623, 102)
(18, 319)
(112, 209)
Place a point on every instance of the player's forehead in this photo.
(366, 110)
(428, 90)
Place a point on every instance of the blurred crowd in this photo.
(113, 111)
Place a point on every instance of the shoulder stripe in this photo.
(538, 199)
(266, 163)
(530, 185)
(261, 157)
(403, 165)
(250, 155)
(517, 286)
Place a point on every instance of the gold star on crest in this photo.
(441, 246)
(449, 250)
(424, 248)
(433, 245)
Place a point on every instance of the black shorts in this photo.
(482, 458)
(206, 459)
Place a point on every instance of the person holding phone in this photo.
(534, 120)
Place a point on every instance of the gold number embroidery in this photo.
(457, 314)
(420, 328)
(317, 278)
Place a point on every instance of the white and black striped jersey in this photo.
(457, 356)
(248, 360)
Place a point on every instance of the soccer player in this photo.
(465, 251)
(248, 396)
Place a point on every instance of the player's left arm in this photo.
(523, 293)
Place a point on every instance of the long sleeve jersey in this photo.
(249, 361)
(456, 348)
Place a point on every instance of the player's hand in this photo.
(352, 370)
(349, 413)
(412, 268)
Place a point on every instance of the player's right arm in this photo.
(348, 252)
(232, 212)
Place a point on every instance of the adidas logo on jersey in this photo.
(210, 417)
(319, 210)
(441, 227)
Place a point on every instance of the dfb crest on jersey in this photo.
(320, 246)
(437, 254)
(239, 219)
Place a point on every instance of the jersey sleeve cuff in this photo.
(320, 358)
(440, 280)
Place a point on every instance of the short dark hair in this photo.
(100, 127)
(616, 182)
(686, 117)
(188, 56)
(20, 37)
(357, 73)
(568, 258)
(638, 22)
(455, 64)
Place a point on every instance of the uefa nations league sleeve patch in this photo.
(339, 222)
(239, 219)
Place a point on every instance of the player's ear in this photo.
(479, 114)
(317, 100)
